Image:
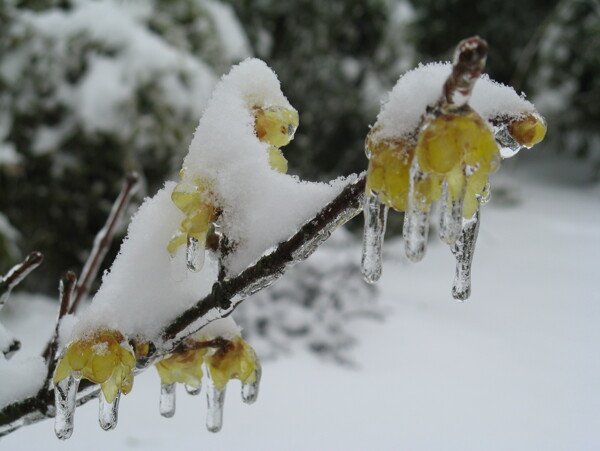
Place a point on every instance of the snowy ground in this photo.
(515, 367)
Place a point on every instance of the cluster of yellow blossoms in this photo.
(457, 147)
(275, 126)
(104, 358)
(224, 359)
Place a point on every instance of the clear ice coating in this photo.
(416, 219)
(463, 252)
(250, 389)
(167, 400)
(194, 254)
(486, 194)
(508, 146)
(375, 218)
(178, 264)
(450, 215)
(214, 416)
(65, 400)
(193, 390)
(108, 412)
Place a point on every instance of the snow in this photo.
(138, 57)
(140, 295)
(26, 376)
(255, 199)
(236, 46)
(6, 338)
(422, 87)
(515, 367)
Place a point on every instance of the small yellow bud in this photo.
(276, 125)
(528, 131)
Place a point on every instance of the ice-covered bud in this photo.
(388, 175)
(234, 359)
(104, 357)
(183, 368)
(276, 126)
(529, 130)
(462, 149)
(192, 196)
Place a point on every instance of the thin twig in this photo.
(219, 302)
(102, 241)
(66, 289)
(469, 61)
(17, 274)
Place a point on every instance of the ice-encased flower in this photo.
(103, 357)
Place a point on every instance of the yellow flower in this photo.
(276, 126)
(103, 357)
(225, 360)
(184, 368)
(528, 130)
(192, 197)
(235, 360)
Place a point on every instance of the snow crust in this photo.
(422, 87)
(140, 295)
(260, 206)
(25, 375)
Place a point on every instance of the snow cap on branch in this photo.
(421, 88)
(260, 207)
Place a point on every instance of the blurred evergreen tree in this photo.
(335, 60)
(564, 73)
(88, 92)
(550, 49)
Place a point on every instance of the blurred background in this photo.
(91, 90)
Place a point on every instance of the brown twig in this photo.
(66, 289)
(17, 274)
(102, 241)
(469, 61)
(219, 302)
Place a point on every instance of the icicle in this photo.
(108, 412)
(375, 218)
(463, 251)
(416, 219)
(451, 215)
(486, 194)
(65, 398)
(193, 390)
(167, 400)
(178, 265)
(214, 416)
(250, 389)
(194, 254)
(508, 146)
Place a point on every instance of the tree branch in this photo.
(17, 274)
(226, 294)
(102, 241)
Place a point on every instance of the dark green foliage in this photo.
(565, 75)
(549, 49)
(67, 160)
(324, 53)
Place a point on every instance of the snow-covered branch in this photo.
(437, 138)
